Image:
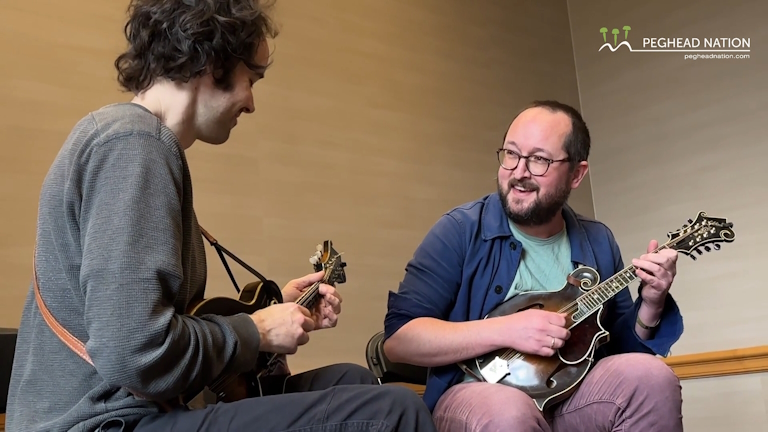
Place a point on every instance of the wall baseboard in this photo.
(720, 363)
(418, 388)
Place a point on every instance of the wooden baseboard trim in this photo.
(720, 363)
(418, 388)
(701, 365)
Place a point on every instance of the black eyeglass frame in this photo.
(520, 157)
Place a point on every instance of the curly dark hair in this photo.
(183, 39)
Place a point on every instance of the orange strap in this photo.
(72, 342)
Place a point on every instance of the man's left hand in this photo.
(657, 271)
(327, 307)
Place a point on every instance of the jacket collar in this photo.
(581, 248)
(494, 219)
(495, 224)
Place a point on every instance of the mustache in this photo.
(526, 184)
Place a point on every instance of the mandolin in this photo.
(549, 380)
(229, 387)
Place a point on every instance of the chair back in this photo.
(7, 350)
(388, 371)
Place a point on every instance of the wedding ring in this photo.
(552, 345)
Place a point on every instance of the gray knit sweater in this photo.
(119, 257)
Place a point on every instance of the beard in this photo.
(543, 208)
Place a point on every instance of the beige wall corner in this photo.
(375, 118)
(675, 136)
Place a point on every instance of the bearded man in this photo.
(524, 238)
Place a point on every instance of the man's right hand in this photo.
(535, 331)
(283, 327)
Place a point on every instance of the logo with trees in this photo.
(615, 33)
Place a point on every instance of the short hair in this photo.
(180, 40)
(577, 143)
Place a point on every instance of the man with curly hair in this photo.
(104, 342)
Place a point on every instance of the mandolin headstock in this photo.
(702, 232)
(326, 258)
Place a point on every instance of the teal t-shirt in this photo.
(544, 264)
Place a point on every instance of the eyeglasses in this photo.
(537, 165)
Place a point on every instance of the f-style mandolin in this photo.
(231, 387)
(549, 380)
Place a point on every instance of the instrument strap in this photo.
(78, 346)
(74, 343)
(70, 341)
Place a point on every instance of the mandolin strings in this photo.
(600, 292)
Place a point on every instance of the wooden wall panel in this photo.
(375, 118)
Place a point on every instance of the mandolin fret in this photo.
(596, 297)
(593, 299)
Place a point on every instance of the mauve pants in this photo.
(626, 392)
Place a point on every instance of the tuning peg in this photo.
(730, 224)
(690, 221)
(319, 247)
(698, 251)
(717, 246)
(707, 248)
(313, 260)
(693, 257)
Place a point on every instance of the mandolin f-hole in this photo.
(551, 381)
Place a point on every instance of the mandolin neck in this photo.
(597, 296)
(309, 296)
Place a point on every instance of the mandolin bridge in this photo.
(495, 371)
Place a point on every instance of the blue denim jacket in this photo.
(465, 266)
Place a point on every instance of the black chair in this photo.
(7, 350)
(388, 371)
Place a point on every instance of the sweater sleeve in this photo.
(131, 274)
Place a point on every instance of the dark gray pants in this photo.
(337, 398)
